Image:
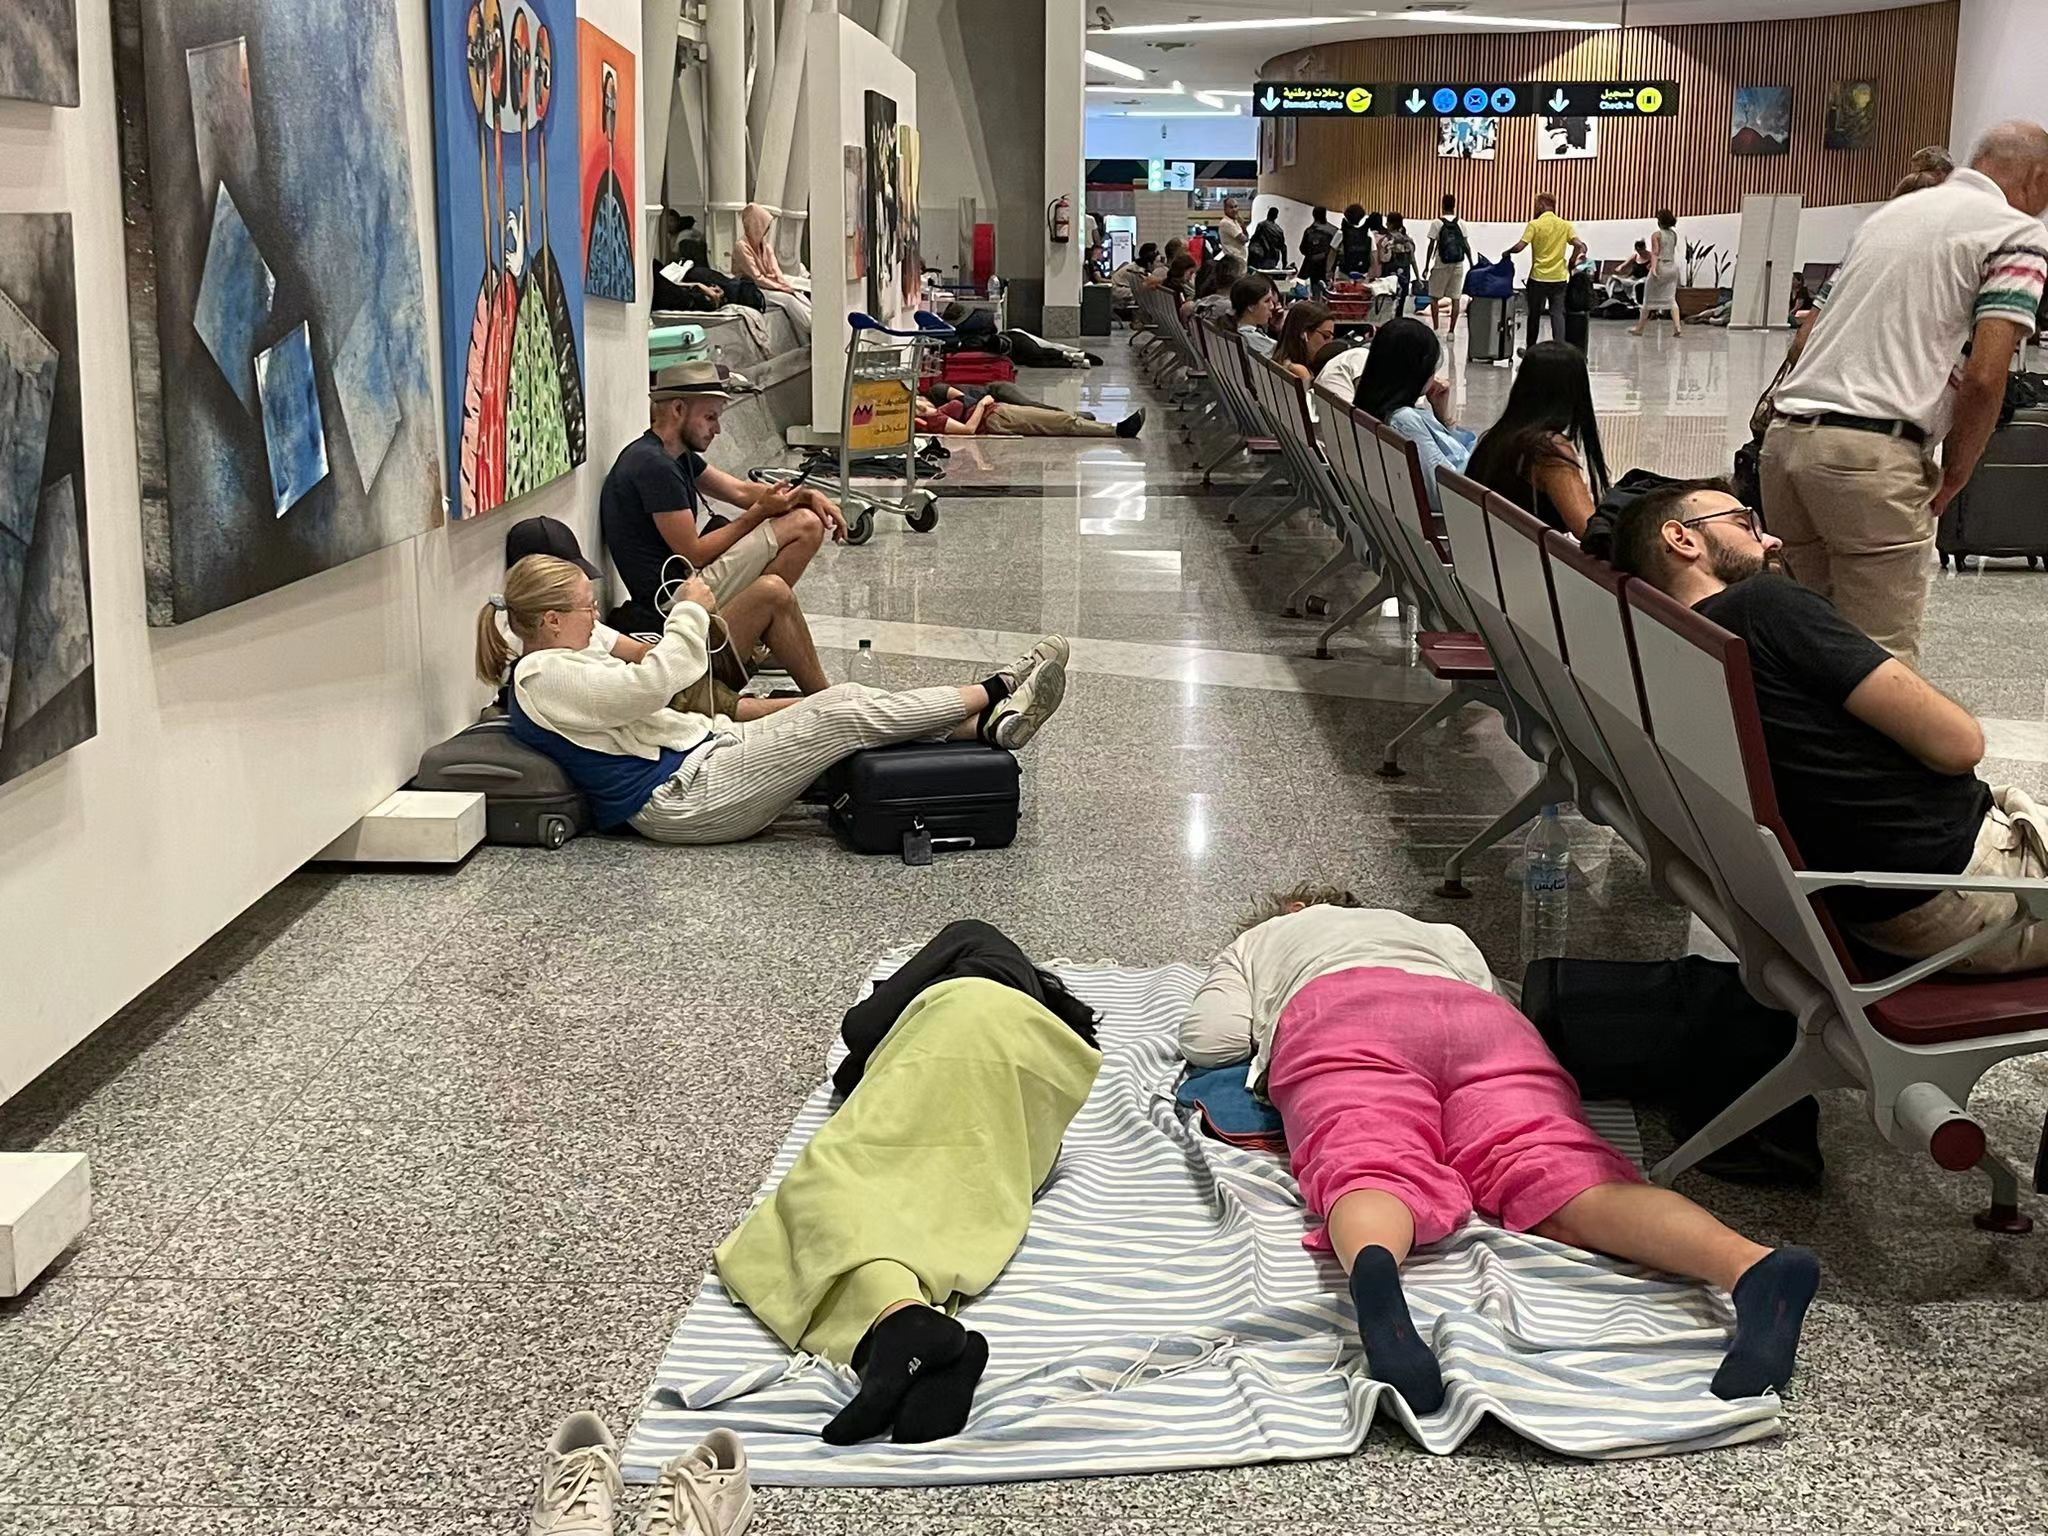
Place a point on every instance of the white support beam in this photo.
(760, 95)
(727, 108)
(890, 28)
(780, 129)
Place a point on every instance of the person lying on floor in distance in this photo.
(683, 776)
(1412, 1094)
(990, 417)
(963, 1071)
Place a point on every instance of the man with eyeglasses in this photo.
(1874, 767)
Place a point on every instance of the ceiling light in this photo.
(1139, 90)
(1154, 29)
(1460, 19)
(1233, 112)
(1247, 95)
(1114, 66)
(1210, 99)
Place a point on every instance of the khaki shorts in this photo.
(741, 566)
(1447, 280)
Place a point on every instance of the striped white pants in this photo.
(741, 785)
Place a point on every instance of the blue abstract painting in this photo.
(275, 281)
(511, 245)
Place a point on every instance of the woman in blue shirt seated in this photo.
(1399, 372)
(679, 777)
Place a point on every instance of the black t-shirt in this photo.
(645, 480)
(1852, 797)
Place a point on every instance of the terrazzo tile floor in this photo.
(402, 1167)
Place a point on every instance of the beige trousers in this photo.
(2013, 841)
(1854, 510)
(1043, 421)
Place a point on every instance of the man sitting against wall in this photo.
(1874, 767)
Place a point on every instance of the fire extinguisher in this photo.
(1059, 220)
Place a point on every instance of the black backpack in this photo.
(1400, 249)
(1450, 242)
(1268, 247)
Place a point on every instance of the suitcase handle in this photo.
(479, 771)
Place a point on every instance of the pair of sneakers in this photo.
(704, 1492)
(1038, 682)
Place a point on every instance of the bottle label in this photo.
(1545, 878)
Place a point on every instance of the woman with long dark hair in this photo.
(1545, 448)
(1399, 372)
(1307, 329)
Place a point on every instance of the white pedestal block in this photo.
(415, 826)
(45, 1202)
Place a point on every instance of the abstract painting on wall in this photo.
(605, 76)
(1290, 141)
(511, 234)
(1466, 138)
(39, 51)
(1852, 115)
(277, 314)
(1763, 121)
(909, 151)
(1567, 138)
(885, 224)
(856, 212)
(46, 679)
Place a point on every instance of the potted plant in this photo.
(1702, 259)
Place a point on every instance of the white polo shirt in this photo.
(1919, 275)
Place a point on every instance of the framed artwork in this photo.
(908, 150)
(604, 91)
(1466, 138)
(505, 152)
(277, 315)
(46, 655)
(1852, 115)
(885, 223)
(1567, 138)
(856, 212)
(1290, 140)
(39, 51)
(1763, 121)
(1269, 145)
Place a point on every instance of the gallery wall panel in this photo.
(1643, 163)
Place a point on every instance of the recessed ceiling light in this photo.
(1461, 19)
(1148, 112)
(1210, 99)
(1155, 29)
(1175, 89)
(1114, 66)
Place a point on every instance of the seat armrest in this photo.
(2032, 894)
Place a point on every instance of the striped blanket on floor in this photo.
(1163, 1315)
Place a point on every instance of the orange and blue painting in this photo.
(607, 99)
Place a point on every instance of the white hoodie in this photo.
(595, 700)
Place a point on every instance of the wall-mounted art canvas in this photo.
(1567, 138)
(1763, 121)
(1290, 141)
(856, 191)
(604, 90)
(46, 676)
(885, 222)
(909, 151)
(1466, 138)
(277, 315)
(1269, 145)
(506, 147)
(1852, 115)
(39, 51)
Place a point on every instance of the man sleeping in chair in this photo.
(1412, 1094)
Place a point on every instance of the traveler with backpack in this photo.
(1267, 251)
(1358, 250)
(1448, 255)
(1318, 251)
(1399, 259)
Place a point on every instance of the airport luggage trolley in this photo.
(878, 420)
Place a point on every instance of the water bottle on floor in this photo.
(865, 668)
(1546, 888)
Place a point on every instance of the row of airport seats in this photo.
(1644, 713)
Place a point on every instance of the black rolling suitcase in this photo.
(2003, 511)
(924, 796)
(528, 799)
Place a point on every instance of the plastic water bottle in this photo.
(866, 669)
(1546, 888)
(995, 287)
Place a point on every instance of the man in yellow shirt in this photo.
(1549, 269)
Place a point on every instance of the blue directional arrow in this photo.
(1445, 99)
(1415, 102)
(1269, 101)
(1475, 99)
(1503, 100)
(1559, 101)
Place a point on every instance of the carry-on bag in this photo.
(922, 797)
(2004, 508)
(528, 799)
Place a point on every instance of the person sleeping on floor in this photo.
(963, 1071)
(1412, 1094)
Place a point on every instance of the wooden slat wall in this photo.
(1681, 162)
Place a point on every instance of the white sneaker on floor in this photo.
(1051, 648)
(1017, 719)
(579, 1481)
(704, 1492)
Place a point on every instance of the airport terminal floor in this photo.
(401, 1168)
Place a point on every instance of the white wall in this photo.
(1065, 39)
(2000, 45)
(844, 63)
(1109, 137)
(233, 748)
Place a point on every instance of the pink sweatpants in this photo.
(1435, 1092)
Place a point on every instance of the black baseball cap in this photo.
(546, 536)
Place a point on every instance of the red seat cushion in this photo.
(1263, 445)
(1966, 1008)
(1455, 656)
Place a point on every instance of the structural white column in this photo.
(1066, 36)
(762, 91)
(890, 28)
(727, 36)
(779, 134)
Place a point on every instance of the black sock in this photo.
(1394, 1352)
(890, 1356)
(1770, 1305)
(998, 689)
(936, 1404)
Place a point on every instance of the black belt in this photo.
(1882, 426)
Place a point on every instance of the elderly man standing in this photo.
(1880, 376)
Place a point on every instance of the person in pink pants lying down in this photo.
(1412, 1094)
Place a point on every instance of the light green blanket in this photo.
(919, 1187)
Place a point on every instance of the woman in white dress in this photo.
(1661, 290)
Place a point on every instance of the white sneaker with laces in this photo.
(704, 1492)
(1017, 719)
(1051, 648)
(579, 1481)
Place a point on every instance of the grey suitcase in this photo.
(2003, 511)
(1489, 329)
(528, 799)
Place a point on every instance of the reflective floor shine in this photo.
(403, 1167)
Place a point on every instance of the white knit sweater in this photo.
(622, 707)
